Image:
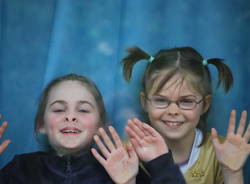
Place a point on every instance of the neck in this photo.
(182, 148)
(72, 152)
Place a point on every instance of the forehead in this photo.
(70, 91)
(179, 84)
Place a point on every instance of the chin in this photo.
(72, 150)
(75, 145)
(173, 136)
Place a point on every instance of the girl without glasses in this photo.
(176, 96)
(71, 111)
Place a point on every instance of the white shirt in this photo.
(194, 152)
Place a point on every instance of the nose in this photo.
(71, 118)
(172, 109)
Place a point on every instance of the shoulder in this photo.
(30, 156)
(21, 167)
(207, 149)
(208, 141)
(24, 159)
(207, 145)
(206, 169)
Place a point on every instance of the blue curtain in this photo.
(40, 40)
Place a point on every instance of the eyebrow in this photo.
(86, 102)
(64, 103)
(184, 96)
(57, 101)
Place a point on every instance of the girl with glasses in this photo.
(176, 96)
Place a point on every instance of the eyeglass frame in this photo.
(176, 102)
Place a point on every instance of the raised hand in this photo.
(148, 143)
(5, 143)
(234, 151)
(120, 161)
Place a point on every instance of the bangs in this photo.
(158, 80)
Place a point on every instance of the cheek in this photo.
(194, 116)
(91, 123)
(155, 114)
(51, 121)
(90, 126)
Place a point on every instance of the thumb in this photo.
(131, 151)
(214, 136)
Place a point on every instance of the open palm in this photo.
(120, 162)
(148, 143)
(234, 151)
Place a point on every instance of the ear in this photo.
(42, 130)
(207, 103)
(143, 101)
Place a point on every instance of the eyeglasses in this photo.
(187, 103)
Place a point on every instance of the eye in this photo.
(58, 110)
(187, 101)
(160, 100)
(84, 111)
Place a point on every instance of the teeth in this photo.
(71, 131)
(175, 123)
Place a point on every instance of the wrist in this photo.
(155, 156)
(131, 181)
(229, 170)
(231, 176)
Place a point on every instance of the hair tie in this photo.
(204, 62)
(151, 59)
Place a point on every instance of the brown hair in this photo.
(39, 122)
(184, 60)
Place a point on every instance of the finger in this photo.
(2, 128)
(130, 130)
(131, 133)
(106, 139)
(115, 137)
(242, 123)
(136, 128)
(231, 125)
(131, 151)
(98, 157)
(101, 146)
(140, 126)
(247, 133)
(214, 136)
(135, 143)
(134, 137)
(4, 145)
(151, 131)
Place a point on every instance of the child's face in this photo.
(71, 117)
(172, 122)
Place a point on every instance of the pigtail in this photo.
(224, 73)
(135, 54)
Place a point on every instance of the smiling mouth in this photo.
(173, 124)
(70, 131)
